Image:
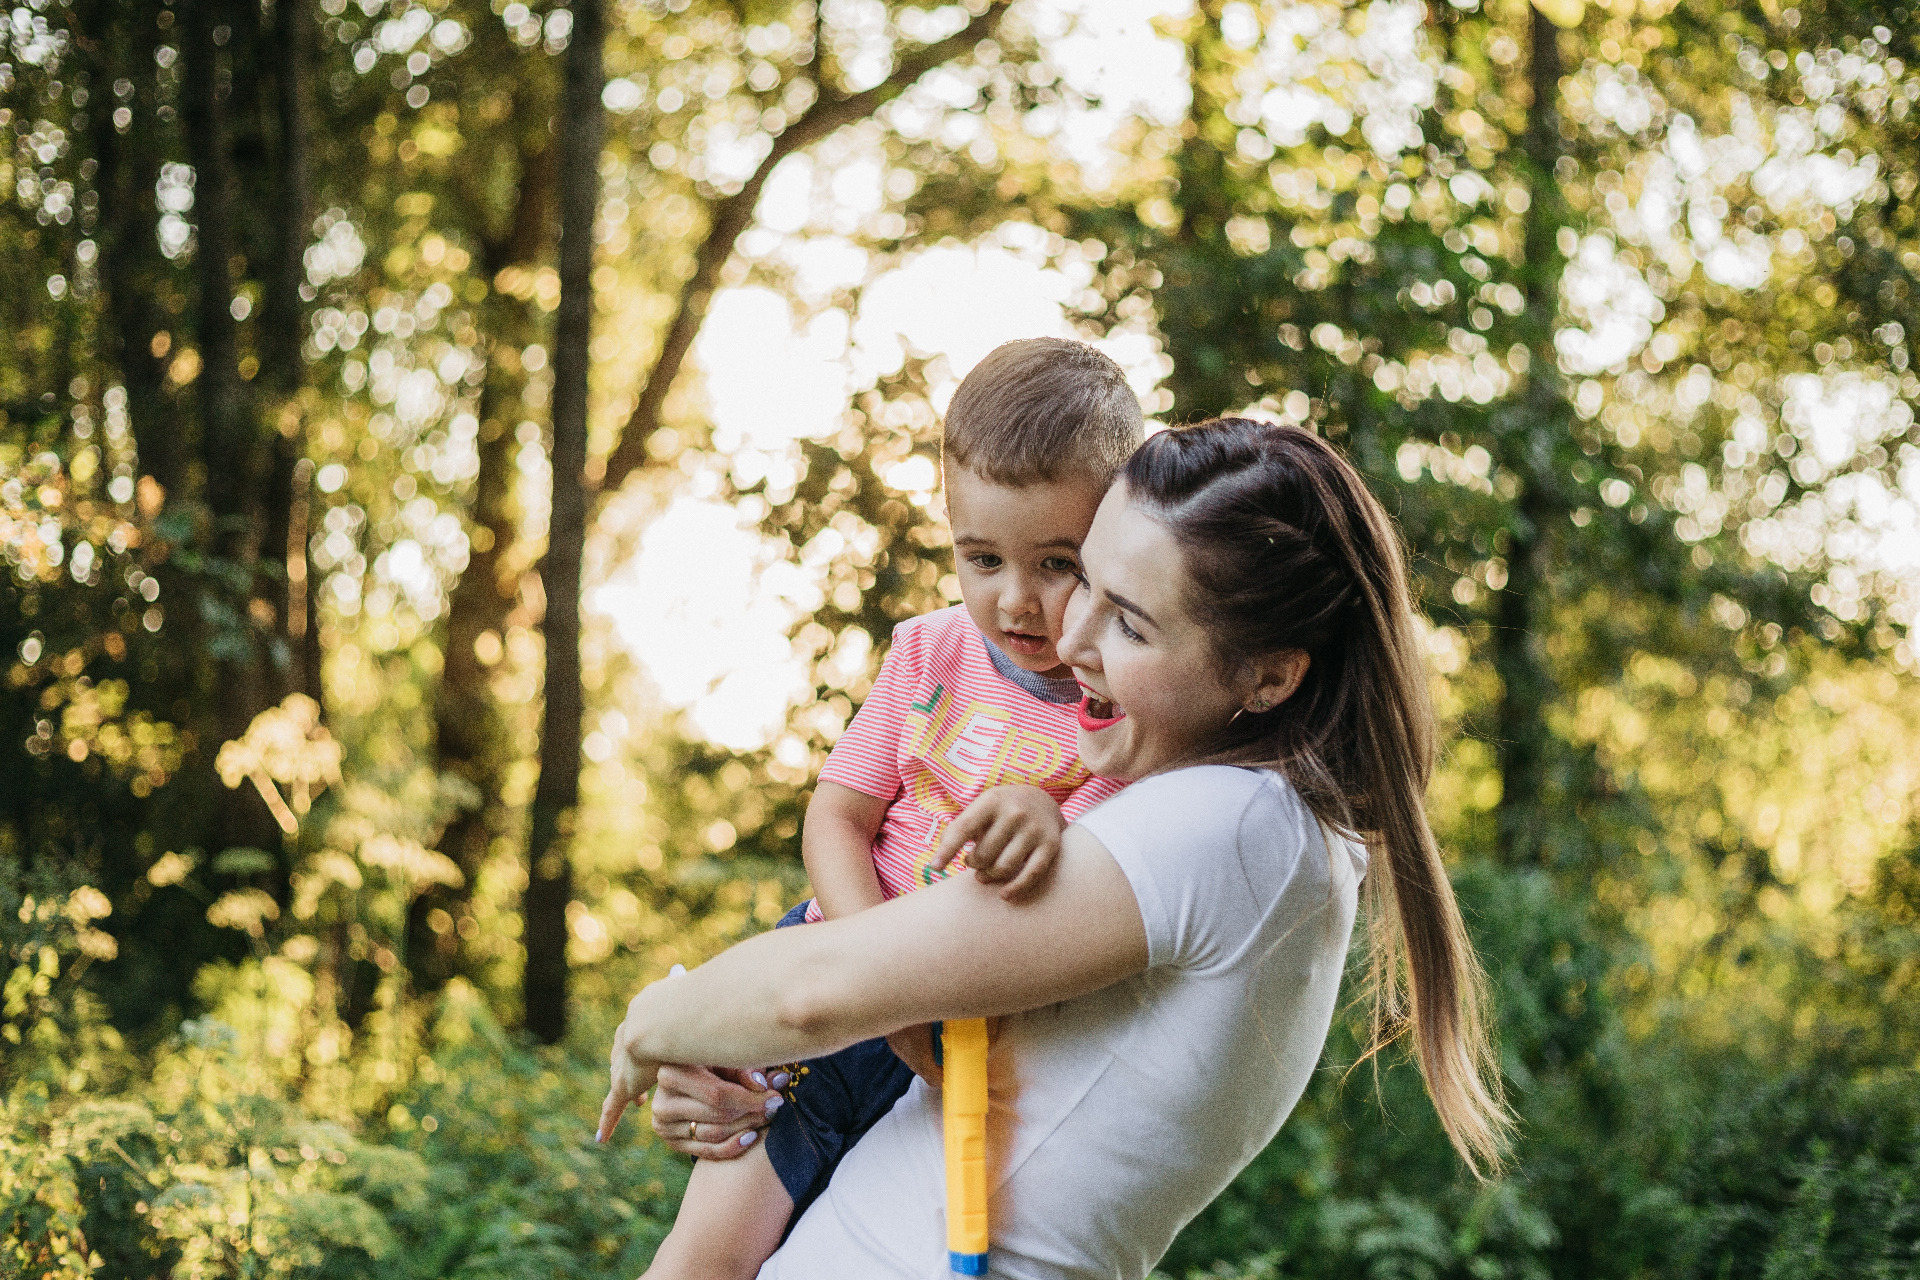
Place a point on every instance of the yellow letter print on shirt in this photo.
(977, 748)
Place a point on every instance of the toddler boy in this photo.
(970, 701)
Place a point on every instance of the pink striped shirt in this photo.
(942, 724)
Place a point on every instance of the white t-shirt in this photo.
(1116, 1117)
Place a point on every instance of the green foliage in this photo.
(208, 1158)
(1678, 784)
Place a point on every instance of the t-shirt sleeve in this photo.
(867, 756)
(1209, 852)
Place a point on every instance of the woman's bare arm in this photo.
(954, 950)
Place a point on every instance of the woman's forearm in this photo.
(953, 950)
(744, 1008)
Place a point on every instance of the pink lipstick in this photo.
(1096, 713)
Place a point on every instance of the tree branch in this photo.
(732, 215)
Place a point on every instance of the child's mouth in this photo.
(1097, 713)
(1022, 643)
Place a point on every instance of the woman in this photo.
(1247, 646)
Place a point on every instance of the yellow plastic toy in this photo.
(964, 1111)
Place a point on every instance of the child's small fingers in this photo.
(953, 840)
(1014, 856)
(1031, 877)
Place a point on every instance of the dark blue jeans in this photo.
(831, 1102)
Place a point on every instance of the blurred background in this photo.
(460, 463)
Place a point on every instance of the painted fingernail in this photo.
(747, 1138)
(760, 1079)
(774, 1104)
(780, 1080)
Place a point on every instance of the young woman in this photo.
(1247, 647)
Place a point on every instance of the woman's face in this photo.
(1156, 697)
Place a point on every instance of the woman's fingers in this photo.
(610, 1112)
(629, 1078)
(672, 1115)
(698, 1093)
(701, 1113)
(707, 1141)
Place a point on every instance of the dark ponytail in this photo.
(1287, 549)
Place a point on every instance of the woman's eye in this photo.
(1121, 620)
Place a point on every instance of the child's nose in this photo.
(1019, 598)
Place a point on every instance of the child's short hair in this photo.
(1040, 408)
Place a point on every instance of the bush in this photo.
(233, 1147)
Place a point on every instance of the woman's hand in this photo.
(1015, 832)
(714, 1113)
(632, 1075)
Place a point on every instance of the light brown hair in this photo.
(1039, 409)
(1288, 550)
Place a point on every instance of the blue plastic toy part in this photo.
(968, 1264)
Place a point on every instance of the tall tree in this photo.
(232, 455)
(549, 871)
(829, 109)
(282, 344)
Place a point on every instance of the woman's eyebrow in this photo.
(1130, 606)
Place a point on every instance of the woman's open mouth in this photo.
(1096, 713)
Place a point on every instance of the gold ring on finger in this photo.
(693, 1131)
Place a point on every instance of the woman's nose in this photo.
(1075, 647)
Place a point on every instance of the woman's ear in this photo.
(1276, 678)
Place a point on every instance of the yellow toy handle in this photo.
(964, 1109)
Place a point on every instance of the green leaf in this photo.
(244, 862)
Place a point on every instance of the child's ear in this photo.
(1276, 677)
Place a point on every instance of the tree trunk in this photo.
(229, 438)
(549, 873)
(129, 170)
(283, 365)
(472, 738)
(1527, 686)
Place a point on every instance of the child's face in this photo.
(1017, 553)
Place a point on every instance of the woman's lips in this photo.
(1022, 643)
(1096, 713)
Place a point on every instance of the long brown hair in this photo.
(1287, 549)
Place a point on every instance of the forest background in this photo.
(460, 464)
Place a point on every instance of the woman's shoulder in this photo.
(1211, 852)
(1210, 804)
(1212, 786)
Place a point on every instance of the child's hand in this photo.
(1015, 832)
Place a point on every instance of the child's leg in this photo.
(730, 1221)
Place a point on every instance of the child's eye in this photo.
(984, 561)
(1060, 564)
